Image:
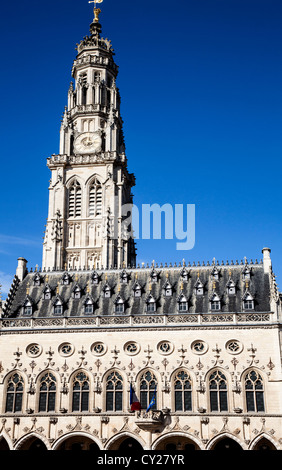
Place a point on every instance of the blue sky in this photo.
(200, 83)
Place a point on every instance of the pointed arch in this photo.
(147, 383)
(254, 390)
(14, 386)
(80, 386)
(182, 387)
(95, 196)
(114, 385)
(159, 442)
(228, 437)
(115, 441)
(263, 439)
(59, 443)
(47, 384)
(217, 387)
(26, 441)
(74, 191)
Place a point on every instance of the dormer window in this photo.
(154, 275)
(119, 305)
(47, 293)
(124, 277)
(88, 306)
(182, 304)
(58, 307)
(151, 304)
(65, 279)
(137, 290)
(246, 274)
(199, 288)
(76, 292)
(184, 274)
(248, 302)
(36, 280)
(167, 289)
(215, 304)
(95, 278)
(231, 289)
(107, 291)
(215, 274)
(27, 309)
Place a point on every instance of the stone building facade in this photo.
(200, 342)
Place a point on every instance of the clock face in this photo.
(88, 142)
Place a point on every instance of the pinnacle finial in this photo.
(96, 11)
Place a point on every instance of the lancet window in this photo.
(14, 397)
(80, 393)
(218, 391)
(95, 198)
(75, 199)
(114, 392)
(47, 393)
(182, 391)
(148, 384)
(254, 391)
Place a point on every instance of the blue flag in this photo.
(153, 401)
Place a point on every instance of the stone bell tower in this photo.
(90, 185)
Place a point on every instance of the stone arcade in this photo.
(79, 332)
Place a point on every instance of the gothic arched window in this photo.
(80, 392)
(148, 383)
(182, 391)
(75, 199)
(14, 397)
(218, 391)
(95, 198)
(47, 393)
(114, 392)
(254, 391)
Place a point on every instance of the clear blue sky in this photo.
(200, 82)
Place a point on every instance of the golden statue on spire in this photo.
(96, 11)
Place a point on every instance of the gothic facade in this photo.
(199, 344)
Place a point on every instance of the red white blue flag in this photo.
(134, 402)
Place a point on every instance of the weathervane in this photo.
(96, 11)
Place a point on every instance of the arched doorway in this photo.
(227, 444)
(176, 443)
(126, 443)
(33, 444)
(264, 444)
(130, 445)
(78, 443)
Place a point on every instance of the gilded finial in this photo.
(247, 285)
(150, 287)
(213, 285)
(88, 287)
(96, 11)
(181, 285)
(47, 279)
(27, 289)
(57, 290)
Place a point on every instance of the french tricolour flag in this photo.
(134, 402)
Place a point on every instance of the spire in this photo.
(95, 27)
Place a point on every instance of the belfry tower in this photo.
(90, 184)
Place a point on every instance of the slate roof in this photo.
(152, 281)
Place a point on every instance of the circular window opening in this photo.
(66, 349)
(98, 349)
(199, 347)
